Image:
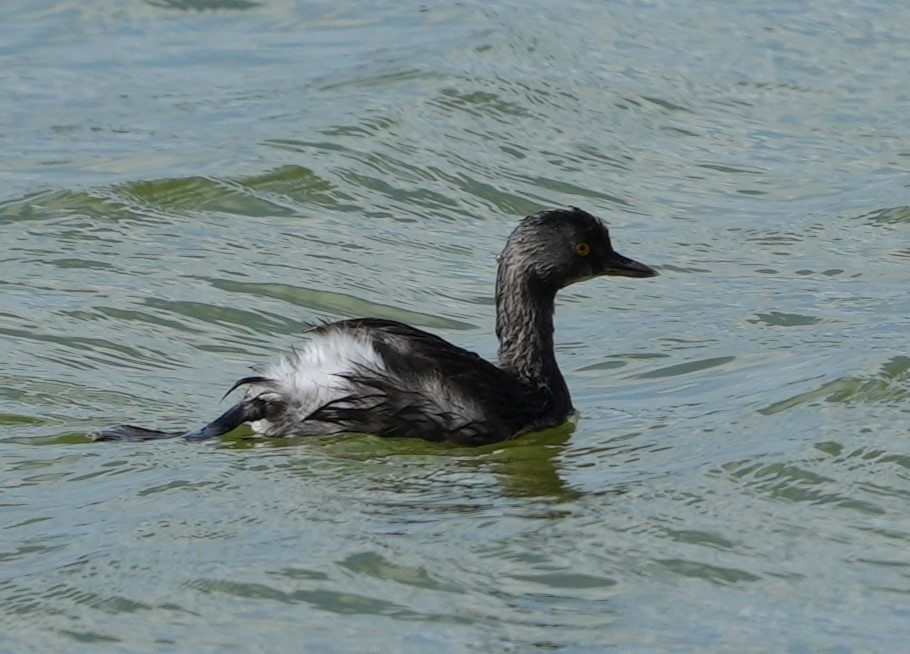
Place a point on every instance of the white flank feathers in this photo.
(307, 379)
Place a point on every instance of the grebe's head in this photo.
(559, 247)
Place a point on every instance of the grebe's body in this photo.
(390, 379)
(386, 378)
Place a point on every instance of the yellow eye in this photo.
(582, 249)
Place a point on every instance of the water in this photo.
(186, 184)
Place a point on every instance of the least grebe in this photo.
(386, 378)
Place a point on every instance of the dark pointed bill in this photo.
(617, 265)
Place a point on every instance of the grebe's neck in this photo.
(524, 326)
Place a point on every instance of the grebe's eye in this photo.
(582, 249)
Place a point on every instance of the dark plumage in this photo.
(390, 379)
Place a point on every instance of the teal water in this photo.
(186, 184)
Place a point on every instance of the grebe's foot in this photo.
(131, 433)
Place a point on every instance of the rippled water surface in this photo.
(186, 184)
